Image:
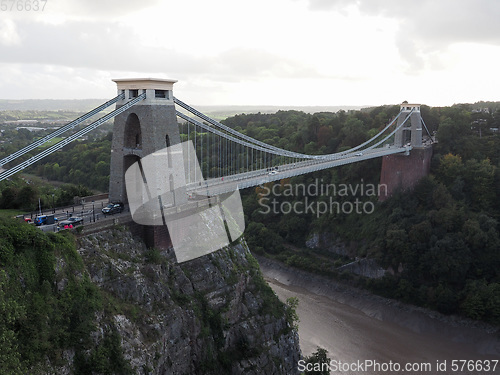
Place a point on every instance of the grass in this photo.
(51, 142)
(10, 213)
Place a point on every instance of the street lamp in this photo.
(93, 211)
(53, 206)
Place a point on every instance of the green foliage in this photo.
(291, 312)
(444, 235)
(153, 255)
(319, 362)
(23, 195)
(43, 313)
(106, 358)
(10, 312)
(446, 243)
(81, 163)
(270, 303)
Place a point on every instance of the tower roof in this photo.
(144, 83)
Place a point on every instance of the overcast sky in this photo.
(272, 52)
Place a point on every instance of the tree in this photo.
(10, 311)
(102, 168)
(479, 179)
(324, 135)
(450, 167)
(319, 363)
(8, 199)
(354, 132)
(312, 129)
(27, 198)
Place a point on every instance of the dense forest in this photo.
(82, 167)
(442, 238)
(81, 163)
(39, 318)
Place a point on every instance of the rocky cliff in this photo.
(212, 315)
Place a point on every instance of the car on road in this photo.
(45, 220)
(359, 154)
(71, 221)
(272, 173)
(113, 208)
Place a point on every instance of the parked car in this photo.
(113, 208)
(40, 220)
(71, 221)
(45, 220)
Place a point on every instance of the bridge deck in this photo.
(216, 186)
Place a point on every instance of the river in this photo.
(354, 325)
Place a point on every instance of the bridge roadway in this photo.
(227, 184)
(216, 186)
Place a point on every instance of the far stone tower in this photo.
(411, 131)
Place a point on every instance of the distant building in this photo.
(22, 122)
(30, 128)
(481, 110)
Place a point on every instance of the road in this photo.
(84, 211)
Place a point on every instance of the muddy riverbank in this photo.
(354, 325)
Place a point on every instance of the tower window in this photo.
(161, 94)
(133, 94)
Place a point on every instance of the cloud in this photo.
(98, 9)
(429, 26)
(115, 47)
(252, 63)
(8, 33)
(89, 45)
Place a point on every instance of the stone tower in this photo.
(149, 126)
(411, 131)
(404, 171)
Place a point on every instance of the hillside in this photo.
(438, 244)
(104, 303)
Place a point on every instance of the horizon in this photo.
(350, 106)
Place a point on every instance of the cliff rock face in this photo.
(212, 315)
(328, 242)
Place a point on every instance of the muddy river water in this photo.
(356, 326)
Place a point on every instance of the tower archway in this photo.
(132, 134)
(128, 160)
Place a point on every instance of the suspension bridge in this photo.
(148, 117)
